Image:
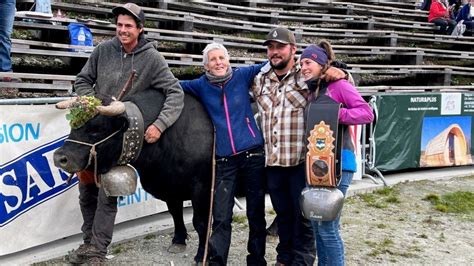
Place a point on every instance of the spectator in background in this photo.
(440, 16)
(466, 14)
(425, 5)
(43, 6)
(455, 6)
(7, 16)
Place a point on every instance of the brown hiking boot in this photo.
(77, 256)
(96, 261)
(86, 253)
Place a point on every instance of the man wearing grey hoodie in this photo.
(108, 69)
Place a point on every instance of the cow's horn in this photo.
(115, 108)
(66, 103)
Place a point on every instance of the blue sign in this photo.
(29, 180)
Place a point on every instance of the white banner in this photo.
(36, 204)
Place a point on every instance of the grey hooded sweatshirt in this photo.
(109, 67)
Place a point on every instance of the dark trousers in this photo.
(469, 28)
(296, 245)
(249, 165)
(446, 26)
(98, 212)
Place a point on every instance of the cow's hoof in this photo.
(272, 230)
(176, 248)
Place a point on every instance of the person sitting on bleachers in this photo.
(455, 7)
(425, 5)
(440, 16)
(466, 14)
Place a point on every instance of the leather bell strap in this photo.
(324, 151)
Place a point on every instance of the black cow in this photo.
(174, 169)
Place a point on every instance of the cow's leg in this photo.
(200, 200)
(272, 230)
(175, 207)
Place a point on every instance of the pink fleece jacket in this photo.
(355, 109)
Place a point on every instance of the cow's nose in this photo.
(60, 160)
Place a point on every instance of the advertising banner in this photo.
(423, 130)
(36, 203)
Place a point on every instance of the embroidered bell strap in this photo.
(132, 138)
(323, 159)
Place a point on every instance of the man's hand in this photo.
(333, 74)
(152, 134)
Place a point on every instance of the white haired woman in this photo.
(224, 93)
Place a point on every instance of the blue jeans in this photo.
(7, 15)
(329, 244)
(296, 245)
(249, 165)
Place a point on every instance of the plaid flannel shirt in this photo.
(282, 107)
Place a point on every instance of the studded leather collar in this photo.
(132, 138)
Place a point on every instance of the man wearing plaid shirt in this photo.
(281, 95)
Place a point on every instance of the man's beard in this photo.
(282, 64)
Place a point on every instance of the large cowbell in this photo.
(322, 201)
(121, 180)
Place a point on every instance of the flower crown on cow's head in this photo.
(82, 110)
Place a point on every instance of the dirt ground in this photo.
(390, 227)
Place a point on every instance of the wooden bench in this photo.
(44, 82)
(403, 4)
(64, 50)
(186, 59)
(274, 17)
(203, 22)
(266, 15)
(416, 55)
(413, 54)
(349, 8)
(51, 83)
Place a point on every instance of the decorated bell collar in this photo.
(132, 138)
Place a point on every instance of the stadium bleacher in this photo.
(377, 38)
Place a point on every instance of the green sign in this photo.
(423, 130)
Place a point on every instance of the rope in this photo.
(93, 153)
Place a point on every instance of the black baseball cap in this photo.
(132, 9)
(281, 35)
